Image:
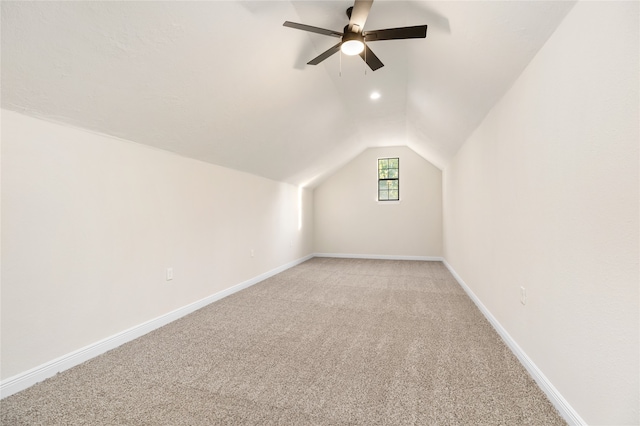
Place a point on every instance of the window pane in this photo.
(388, 173)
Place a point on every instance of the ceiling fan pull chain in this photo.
(365, 59)
(340, 73)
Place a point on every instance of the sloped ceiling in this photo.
(226, 83)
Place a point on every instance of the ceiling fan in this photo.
(353, 38)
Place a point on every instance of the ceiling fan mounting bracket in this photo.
(349, 10)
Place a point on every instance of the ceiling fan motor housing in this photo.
(351, 35)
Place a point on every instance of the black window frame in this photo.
(385, 180)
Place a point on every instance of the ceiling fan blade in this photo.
(325, 55)
(418, 31)
(359, 14)
(309, 28)
(371, 59)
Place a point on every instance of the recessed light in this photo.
(375, 95)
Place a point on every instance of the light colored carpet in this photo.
(328, 342)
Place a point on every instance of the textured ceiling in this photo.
(226, 83)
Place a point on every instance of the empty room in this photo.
(367, 212)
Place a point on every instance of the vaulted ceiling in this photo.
(226, 83)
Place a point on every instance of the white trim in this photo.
(561, 404)
(31, 377)
(379, 256)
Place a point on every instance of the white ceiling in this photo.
(226, 83)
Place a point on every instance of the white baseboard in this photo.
(378, 256)
(561, 404)
(31, 377)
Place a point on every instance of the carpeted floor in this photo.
(328, 342)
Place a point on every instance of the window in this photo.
(388, 179)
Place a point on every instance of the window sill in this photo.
(388, 202)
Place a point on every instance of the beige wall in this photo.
(350, 220)
(545, 195)
(90, 224)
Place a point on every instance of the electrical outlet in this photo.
(252, 253)
(169, 274)
(523, 295)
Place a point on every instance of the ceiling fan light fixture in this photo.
(352, 44)
(352, 47)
